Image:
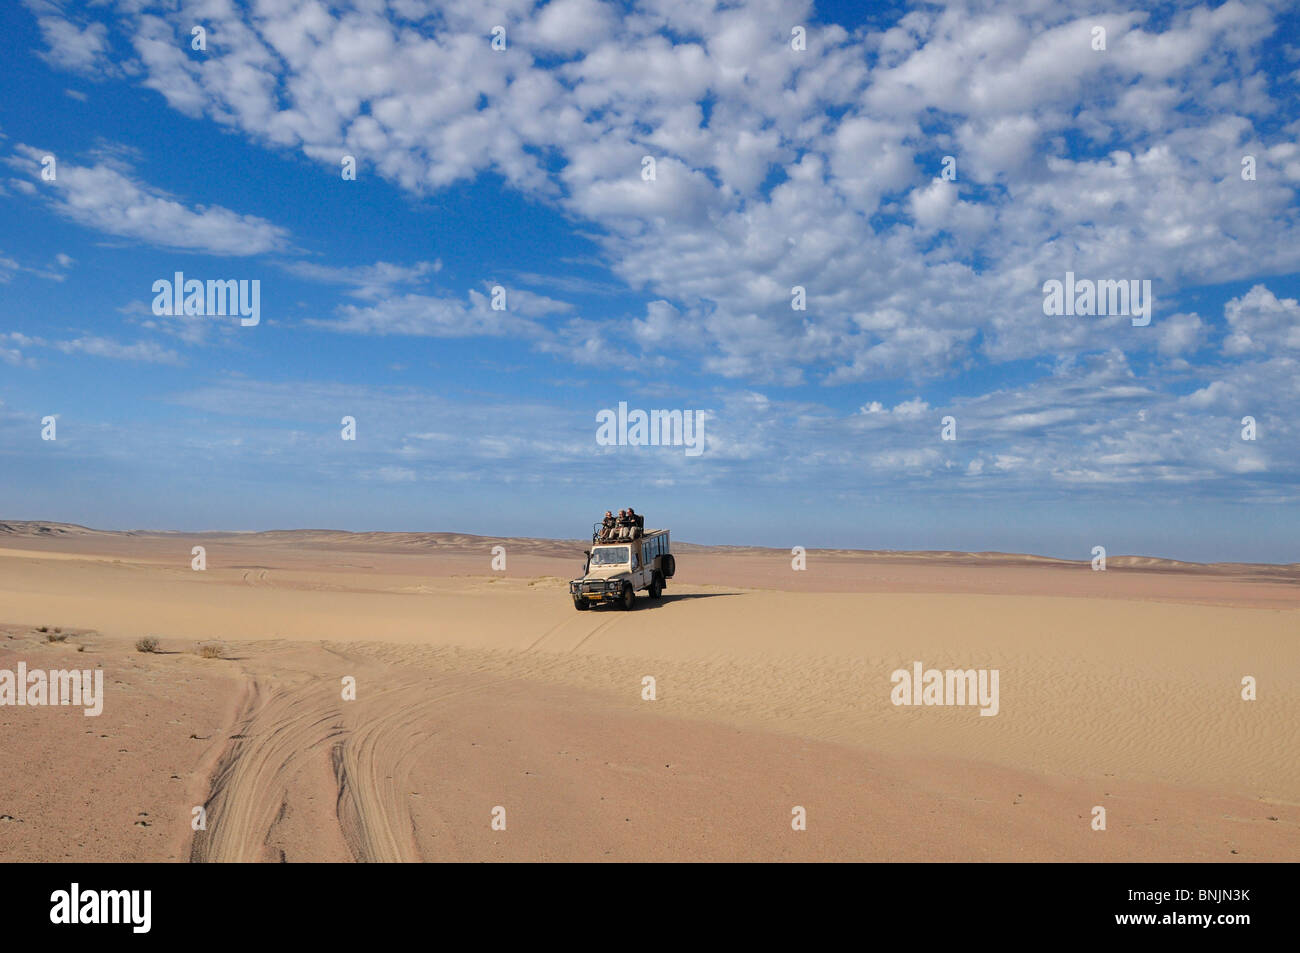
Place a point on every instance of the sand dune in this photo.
(478, 689)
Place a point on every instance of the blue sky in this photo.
(774, 167)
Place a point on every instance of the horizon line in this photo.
(1168, 560)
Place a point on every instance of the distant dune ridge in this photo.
(466, 542)
(478, 688)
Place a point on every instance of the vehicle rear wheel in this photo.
(581, 604)
(627, 598)
(656, 587)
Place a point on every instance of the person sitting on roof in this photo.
(637, 523)
(607, 526)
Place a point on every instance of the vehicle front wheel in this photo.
(656, 587)
(627, 598)
(581, 604)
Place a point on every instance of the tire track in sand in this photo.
(371, 764)
(555, 636)
(370, 745)
(248, 792)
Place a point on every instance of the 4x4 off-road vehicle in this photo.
(620, 567)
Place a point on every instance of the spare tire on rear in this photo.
(669, 565)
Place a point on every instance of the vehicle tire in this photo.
(581, 604)
(670, 566)
(626, 598)
(656, 587)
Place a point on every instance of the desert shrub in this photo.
(148, 644)
(212, 650)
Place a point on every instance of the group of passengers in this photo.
(627, 525)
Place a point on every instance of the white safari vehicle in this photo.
(620, 567)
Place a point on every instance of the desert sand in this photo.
(479, 689)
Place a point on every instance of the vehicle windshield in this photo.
(609, 556)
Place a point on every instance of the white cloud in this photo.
(393, 474)
(81, 49)
(104, 197)
(915, 407)
(143, 351)
(423, 316)
(568, 26)
(1180, 334)
(847, 130)
(368, 281)
(1260, 322)
(147, 352)
(777, 169)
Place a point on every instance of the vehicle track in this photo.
(248, 791)
(578, 624)
(600, 628)
(370, 745)
(371, 766)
